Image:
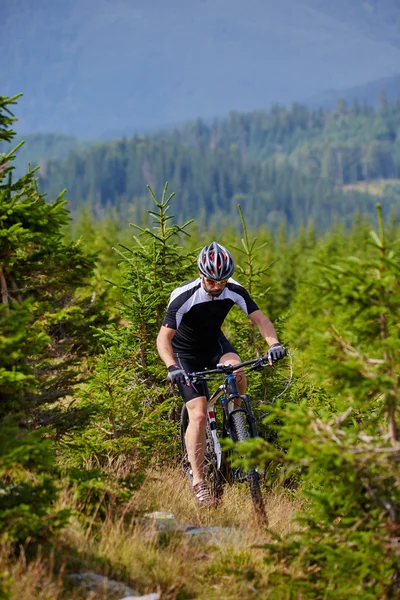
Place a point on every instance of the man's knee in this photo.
(230, 358)
(197, 410)
(241, 379)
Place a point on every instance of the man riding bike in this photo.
(190, 339)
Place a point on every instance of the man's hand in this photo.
(177, 375)
(276, 352)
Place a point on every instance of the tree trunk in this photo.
(3, 287)
(392, 422)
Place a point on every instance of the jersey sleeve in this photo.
(180, 302)
(170, 319)
(250, 305)
(242, 298)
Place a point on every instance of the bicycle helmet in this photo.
(215, 262)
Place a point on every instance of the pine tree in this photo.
(127, 395)
(46, 318)
(45, 324)
(344, 451)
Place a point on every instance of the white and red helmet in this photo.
(215, 262)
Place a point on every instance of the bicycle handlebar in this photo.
(255, 363)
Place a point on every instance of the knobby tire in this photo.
(252, 476)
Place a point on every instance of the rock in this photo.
(212, 533)
(92, 581)
(154, 596)
(164, 521)
(160, 515)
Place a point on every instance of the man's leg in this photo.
(231, 358)
(195, 437)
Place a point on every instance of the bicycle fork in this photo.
(212, 424)
(227, 403)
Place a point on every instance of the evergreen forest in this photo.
(89, 426)
(289, 166)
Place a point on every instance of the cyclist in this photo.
(190, 339)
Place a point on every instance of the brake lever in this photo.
(222, 366)
(259, 366)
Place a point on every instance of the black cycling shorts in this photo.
(200, 363)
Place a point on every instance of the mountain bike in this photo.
(236, 422)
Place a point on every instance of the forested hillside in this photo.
(89, 426)
(289, 166)
(38, 147)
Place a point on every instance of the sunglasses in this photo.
(221, 282)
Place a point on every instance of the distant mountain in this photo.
(368, 92)
(92, 67)
(377, 19)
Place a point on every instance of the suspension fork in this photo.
(212, 424)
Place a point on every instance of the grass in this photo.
(29, 580)
(128, 548)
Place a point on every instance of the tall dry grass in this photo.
(168, 490)
(29, 580)
(127, 547)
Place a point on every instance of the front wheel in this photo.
(253, 477)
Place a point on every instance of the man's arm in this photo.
(267, 330)
(164, 345)
(175, 373)
(265, 327)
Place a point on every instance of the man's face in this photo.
(212, 287)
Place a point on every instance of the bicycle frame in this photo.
(226, 393)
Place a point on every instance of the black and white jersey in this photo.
(198, 317)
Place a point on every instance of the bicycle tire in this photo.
(252, 476)
(211, 473)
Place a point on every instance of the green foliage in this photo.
(46, 314)
(151, 270)
(344, 546)
(45, 318)
(28, 488)
(132, 413)
(360, 352)
(344, 462)
(122, 412)
(96, 491)
(252, 271)
(99, 237)
(251, 274)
